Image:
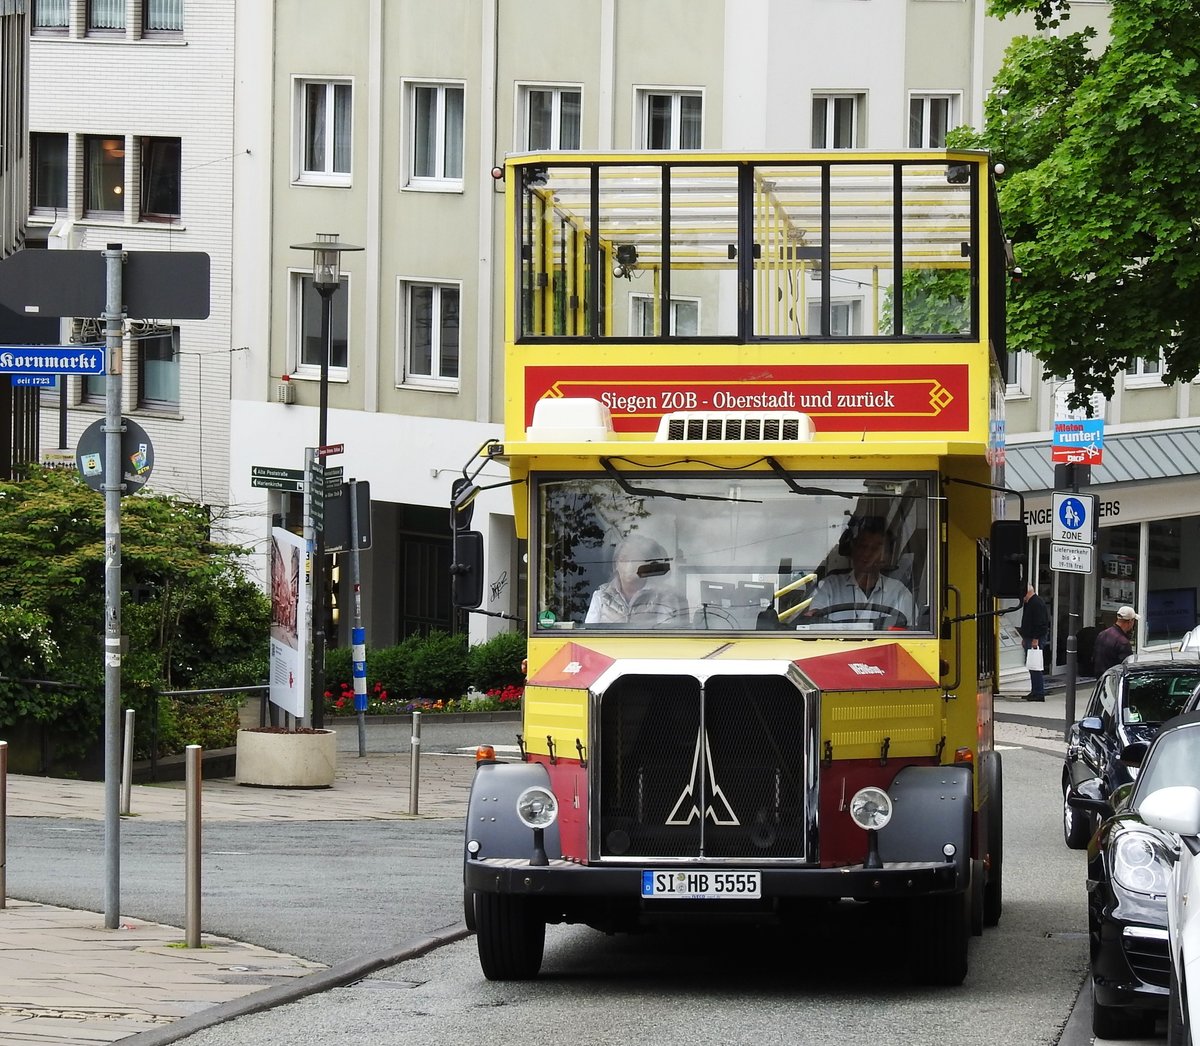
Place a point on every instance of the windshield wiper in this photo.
(795, 487)
(653, 492)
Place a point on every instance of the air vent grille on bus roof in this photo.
(721, 426)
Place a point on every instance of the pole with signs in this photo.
(114, 322)
(1072, 549)
(358, 633)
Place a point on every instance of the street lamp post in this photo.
(327, 251)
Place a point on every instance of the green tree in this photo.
(1100, 195)
(188, 610)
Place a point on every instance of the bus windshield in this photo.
(735, 553)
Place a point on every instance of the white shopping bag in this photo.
(1034, 660)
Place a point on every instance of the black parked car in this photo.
(1130, 703)
(1128, 862)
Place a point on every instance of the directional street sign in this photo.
(332, 448)
(271, 472)
(331, 483)
(51, 359)
(295, 486)
(1074, 558)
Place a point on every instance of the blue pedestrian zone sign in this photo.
(51, 359)
(1074, 518)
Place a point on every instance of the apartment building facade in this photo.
(131, 142)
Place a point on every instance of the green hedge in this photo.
(432, 668)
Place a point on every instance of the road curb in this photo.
(336, 976)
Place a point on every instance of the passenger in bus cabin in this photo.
(864, 593)
(635, 595)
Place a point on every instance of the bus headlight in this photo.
(871, 808)
(537, 807)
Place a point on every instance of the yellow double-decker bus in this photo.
(753, 431)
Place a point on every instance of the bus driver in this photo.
(864, 592)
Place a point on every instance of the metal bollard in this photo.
(3, 821)
(193, 767)
(127, 762)
(414, 764)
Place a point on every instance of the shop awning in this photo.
(1130, 457)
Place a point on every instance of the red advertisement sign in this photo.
(899, 398)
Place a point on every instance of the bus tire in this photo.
(993, 891)
(510, 936)
(940, 930)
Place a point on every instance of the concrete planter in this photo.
(278, 760)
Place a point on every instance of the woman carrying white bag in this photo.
(1035, 633)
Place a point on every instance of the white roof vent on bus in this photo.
(722, 426)
(570, 420)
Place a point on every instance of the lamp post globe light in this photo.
(326, 276)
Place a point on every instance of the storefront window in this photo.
(1172, 578)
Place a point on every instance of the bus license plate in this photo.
(708, 885)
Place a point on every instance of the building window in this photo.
(551, 117)
(105, 15)
(162, 16)
(1145, 370)
(845, 317)
(835, 121)
(1020, 365)
(683, 316)
(104, 176)
(158, 370)
(671, 120)
(50, 15)
(436, 142)
(306, 313)
(325, 113)
(48, 172)
(930, 116)
(431, 326)
(160, 179)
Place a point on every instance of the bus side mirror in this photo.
(466, 572)
(462, 503)
(1009, 552)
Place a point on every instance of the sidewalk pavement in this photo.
(65, 979)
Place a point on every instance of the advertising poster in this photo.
(289, 632)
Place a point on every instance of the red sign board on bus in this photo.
(848, 398)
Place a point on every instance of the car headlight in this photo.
(871, 807)
(537, 807)
(1141, 862)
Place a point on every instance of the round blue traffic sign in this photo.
(1072, 514)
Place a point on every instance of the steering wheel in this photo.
(880, 615)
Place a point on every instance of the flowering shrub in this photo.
(341, 702)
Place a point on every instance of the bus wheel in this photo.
(993, 891)
(510, 937)
(940, 928)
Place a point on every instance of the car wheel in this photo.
(510, 936)
(1119, 1022)
(1178, 1033)
(1077, 826)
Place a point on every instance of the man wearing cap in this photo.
(1112, 645)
